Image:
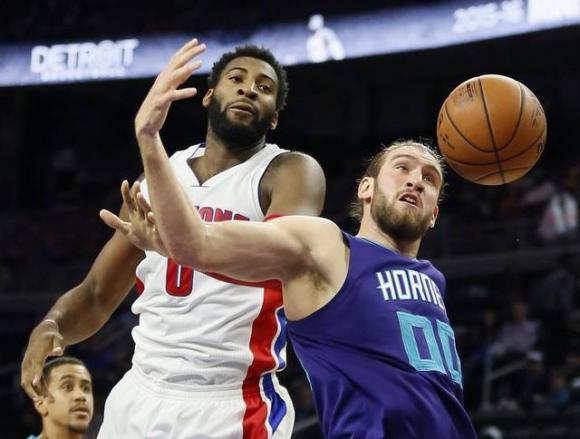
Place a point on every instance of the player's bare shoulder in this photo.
(293, 183)
(292, 161)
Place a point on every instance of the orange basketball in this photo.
(491, 129)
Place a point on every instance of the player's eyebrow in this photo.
(66, 377)
(410, 156)
(246, 71)
(71, 376)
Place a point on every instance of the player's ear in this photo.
(434, 217)
(41, 405)
(274, 121)
(207, 98)
(366, 188)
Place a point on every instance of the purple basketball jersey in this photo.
(381, 356)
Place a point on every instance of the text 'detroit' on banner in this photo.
(315, 39)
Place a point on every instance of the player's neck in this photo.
(219, 151)
(219, 156)
(371, 231)
(50, 431)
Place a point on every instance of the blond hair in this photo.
(375, 163)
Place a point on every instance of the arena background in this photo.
(510, 253)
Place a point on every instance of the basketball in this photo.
(491, 130)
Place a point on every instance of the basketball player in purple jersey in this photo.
(366, 317)
(206, 351)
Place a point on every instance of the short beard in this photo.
(236, 136)
(78, 429)
(401, 226)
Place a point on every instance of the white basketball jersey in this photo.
(194, 329)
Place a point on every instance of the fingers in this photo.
(33, 363)
(114, 222)
(57, 346)
(136, 189)
(135, 192)
(188, 45)
(39, 384)
(30, 375)
(181, 74)
(187, 52)
(126, 194)
(184, 93)
(144, 205)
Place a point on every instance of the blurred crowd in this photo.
(61, 19)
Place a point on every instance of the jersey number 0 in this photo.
(178, 279)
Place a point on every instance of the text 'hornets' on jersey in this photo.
(409, 285)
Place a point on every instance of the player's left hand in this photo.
(140, 229)
(165, 90)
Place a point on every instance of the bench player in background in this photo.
(206, 352)
(366, 318)
(65, 404)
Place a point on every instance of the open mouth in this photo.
(410, 199)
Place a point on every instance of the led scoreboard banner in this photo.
(313, 40)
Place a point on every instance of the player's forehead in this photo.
(415, 153)
(75, 372)
(255, 66)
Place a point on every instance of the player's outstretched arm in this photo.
(249, 251)
(283, 248)
(83, 310)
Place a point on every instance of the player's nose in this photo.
(415, 181)
(248, 91)
(80, 395)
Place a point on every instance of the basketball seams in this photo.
(483, 101)
(459, 131)
(522, 168)
(521, 113)
(505, 159)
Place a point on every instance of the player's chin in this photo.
(79, 421)
(79, 426)
(409, 211)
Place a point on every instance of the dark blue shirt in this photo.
(381, 356)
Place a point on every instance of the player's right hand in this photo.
(153, 111)
(140, 230)
(45, 341)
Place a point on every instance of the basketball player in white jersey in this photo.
(206, 351)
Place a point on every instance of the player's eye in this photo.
(429, 178)
(401, 166)
(235, 79)
(265, 88)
